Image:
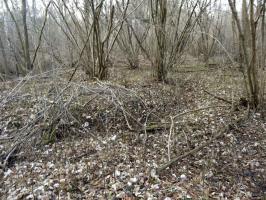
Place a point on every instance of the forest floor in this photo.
(111, 140)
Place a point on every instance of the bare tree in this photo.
(20, 62)
(250, 64)
(103, 39)
(171, 33)
(128, 38)
(210, 26)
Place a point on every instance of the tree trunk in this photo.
(26, 36)
(246, 23)
(159, 16)
(253, 64)
(2, 49)
(249, 61)
(263, 35)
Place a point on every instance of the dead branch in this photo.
(200, 109)
(195, 150)
(219, 98)
(169, 138)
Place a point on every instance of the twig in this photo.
(6, 138)
(120, 104)
(8, 156)
(122, 109)
(21, 83)
(145, 136)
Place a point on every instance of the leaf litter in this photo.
(101, 140)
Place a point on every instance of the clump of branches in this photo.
(67, 107)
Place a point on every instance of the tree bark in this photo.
(159, 16)
(249, 62)
(26, 36)
(253, 68)
(2, 48)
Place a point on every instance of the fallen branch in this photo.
(194, 71)
(5, 163)
(153, 126)
(219, 98)
(169, 138)
(199, 109)
(193, 151)
(6, 138)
